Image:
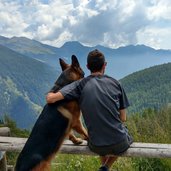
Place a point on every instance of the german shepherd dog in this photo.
(53, 125)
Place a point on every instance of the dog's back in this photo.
(51, 127)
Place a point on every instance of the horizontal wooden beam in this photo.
(4, 131)
(137, 149)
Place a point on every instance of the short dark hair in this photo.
(95, 60)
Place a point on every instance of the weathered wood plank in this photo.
(131, 152)
(12, 140)
(4, 131)
(135, 150)
(151, 145)
(15, 140)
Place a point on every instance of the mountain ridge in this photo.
(26, 74)
(131, 58)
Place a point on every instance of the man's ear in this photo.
(63, 64)
(74, 61)
(104, 65)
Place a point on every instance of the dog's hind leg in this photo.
(69, 133)
(74, 139)
(81, 130)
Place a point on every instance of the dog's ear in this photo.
(63, 64)
(74, 61)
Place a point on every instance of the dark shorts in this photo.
(116, 149)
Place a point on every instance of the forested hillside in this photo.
(24, 82)
(149, 88)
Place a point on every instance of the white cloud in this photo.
(66, 35)
(107, 22)
(155, 37)
(160, 10)
(11, 21)
(115, 26)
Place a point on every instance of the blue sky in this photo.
(112, 23)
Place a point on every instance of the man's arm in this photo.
(69, 92)
(122, 115)
(124, 103)
(53, 97)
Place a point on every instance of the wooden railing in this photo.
(137, 149)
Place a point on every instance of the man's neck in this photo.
(97, 73)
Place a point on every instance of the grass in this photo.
(67, 162)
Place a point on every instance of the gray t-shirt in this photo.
(100, 97)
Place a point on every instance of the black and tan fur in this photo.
(53, 125)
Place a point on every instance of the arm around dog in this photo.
(70, 92)
(53, 97)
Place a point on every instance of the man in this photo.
(103, 102)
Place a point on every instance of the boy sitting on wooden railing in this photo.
(103, 102)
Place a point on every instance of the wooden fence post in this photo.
(4, 131)
(3, 161)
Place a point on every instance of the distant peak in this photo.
(136, 47)
(3, 38)
(143, 46)
(72, 44)
(23, 38)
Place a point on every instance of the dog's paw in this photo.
(85, 138)
(77, 141)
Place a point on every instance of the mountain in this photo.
(24, 82)
(149, 88)
(25, 45)
(33, 49)
(121, 61)
(29, 68)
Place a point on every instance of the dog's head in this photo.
(69, 73)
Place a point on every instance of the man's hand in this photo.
(53, 97)
(122, 115)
